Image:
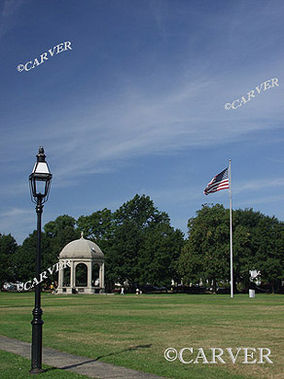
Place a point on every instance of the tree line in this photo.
(141, 247)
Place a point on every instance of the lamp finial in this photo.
(41, 156)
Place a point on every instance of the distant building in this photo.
(255, 277)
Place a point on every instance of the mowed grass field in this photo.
(14, 366)
(134, 331)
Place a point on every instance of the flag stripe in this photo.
(224, 184)
(218, 183)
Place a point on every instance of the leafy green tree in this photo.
(243, 255)
(25, 256)
(257, 244)
(244, 244)
(206, 252)
(190, 265)
(269, 241)
(260, 248)
(141, 212)
(122, 256)
(98, 227)
(58, 234)
(159, 253)
(143, 247)
(55, 235)
(8, 247)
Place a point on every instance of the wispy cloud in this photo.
(141, 124)
(256, 185)
(12, 212)
(252, 202)
(138, 123)
(14, 189)
(154, 84)
(175, 195)
(17, 221)
(190, 194)
(7, 14)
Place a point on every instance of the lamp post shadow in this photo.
(133, 348)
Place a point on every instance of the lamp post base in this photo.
(36, 370)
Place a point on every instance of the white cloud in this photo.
(140, 124)
(134, 123)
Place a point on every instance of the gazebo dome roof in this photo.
(81, 248)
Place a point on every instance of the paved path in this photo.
(81, 365)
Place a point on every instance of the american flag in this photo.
(218, 183)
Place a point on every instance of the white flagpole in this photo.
(231, 232)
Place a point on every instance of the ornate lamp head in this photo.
(40, 178)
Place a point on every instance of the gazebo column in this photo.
(60, 275)
(89, 280)
(72, 274)
(102, 274)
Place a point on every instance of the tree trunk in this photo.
(214, 286)
(275, 285)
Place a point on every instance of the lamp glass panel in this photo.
(40, 187)
(32, 187)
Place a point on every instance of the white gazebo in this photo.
(86, 274)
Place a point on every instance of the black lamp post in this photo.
(39, 180)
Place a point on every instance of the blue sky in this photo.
(137, 105)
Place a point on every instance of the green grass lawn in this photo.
(134, 331)
(16, 367)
